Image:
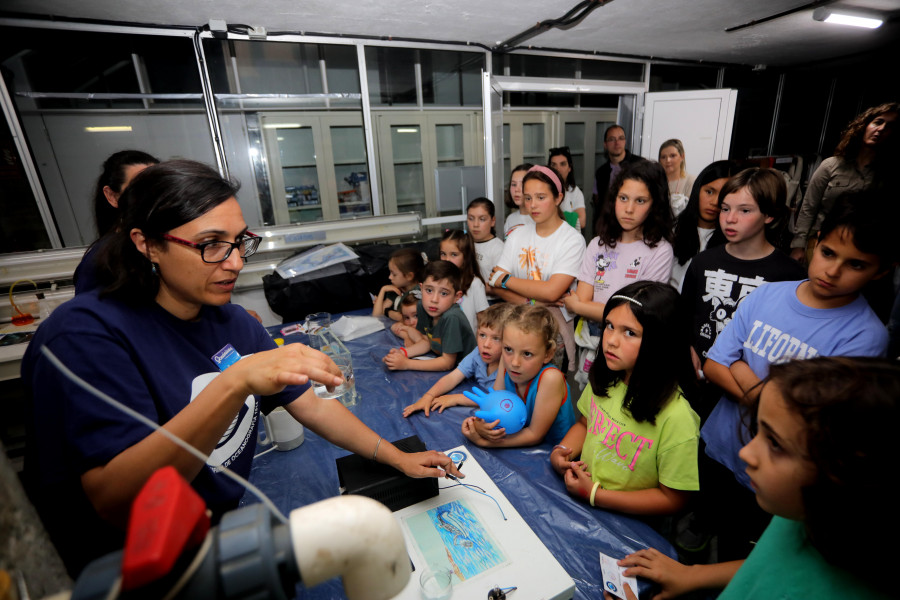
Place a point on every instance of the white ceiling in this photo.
(670, 29)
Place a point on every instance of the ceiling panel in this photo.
(666, 29)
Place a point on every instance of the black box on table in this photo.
(366, 477)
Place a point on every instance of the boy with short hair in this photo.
(480, 364)
(824, 315)
(444, 326)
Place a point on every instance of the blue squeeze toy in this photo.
(499, 404)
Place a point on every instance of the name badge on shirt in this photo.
(226, 357)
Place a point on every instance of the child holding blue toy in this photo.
(637, 436)
(529, 342)
(481, 364)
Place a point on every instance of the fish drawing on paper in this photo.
(470, 548)
(448, 522)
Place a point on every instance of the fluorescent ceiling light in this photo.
(282, 126)
(408, 130)
(829, 15)
(108, 128)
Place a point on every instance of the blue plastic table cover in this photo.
(573, 531)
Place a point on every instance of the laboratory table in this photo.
(572, 531)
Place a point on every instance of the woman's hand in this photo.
(395, 360)
(427, 464)
(267, 373)
(579, 483)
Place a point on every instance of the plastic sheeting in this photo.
(572, 530)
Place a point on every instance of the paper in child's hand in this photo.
(613, 579)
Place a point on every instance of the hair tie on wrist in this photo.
(405, 353)
(593, 490)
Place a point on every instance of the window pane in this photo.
(97, 63)
(523, 65)
(392, 76)
(612, 70)
(451, 78)
(673, 78)
(70, 147)
(21, 228)
(541, 99)
(302, 164)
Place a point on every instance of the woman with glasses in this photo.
(160, 336)
(561, 160)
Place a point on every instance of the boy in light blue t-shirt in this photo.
(480, 364)
(824, 315)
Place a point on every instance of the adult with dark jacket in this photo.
(617, 157)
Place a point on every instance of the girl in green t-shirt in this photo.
(637, 436)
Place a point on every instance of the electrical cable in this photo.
(482, 492)
(264, 452)
(192, 568)
(573, 17)
(165, 432)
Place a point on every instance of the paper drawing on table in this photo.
(453, 533)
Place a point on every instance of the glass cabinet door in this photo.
(317, 166)
(351, 172)
(507, 163)
(534, 150)
(574, 139)
(297, 151)
(450, 145)
(408, 168)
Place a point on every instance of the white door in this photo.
(702, 120)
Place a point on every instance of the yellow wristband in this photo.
(594, 491)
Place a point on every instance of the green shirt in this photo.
(624, 454)
(785, 566)
(452, 333)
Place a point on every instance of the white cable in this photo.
(156, 427)
(192, 568)
(264, 452)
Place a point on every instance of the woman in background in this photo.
(118, 171)
(867, 150)
(561, 160)
(671, 157)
